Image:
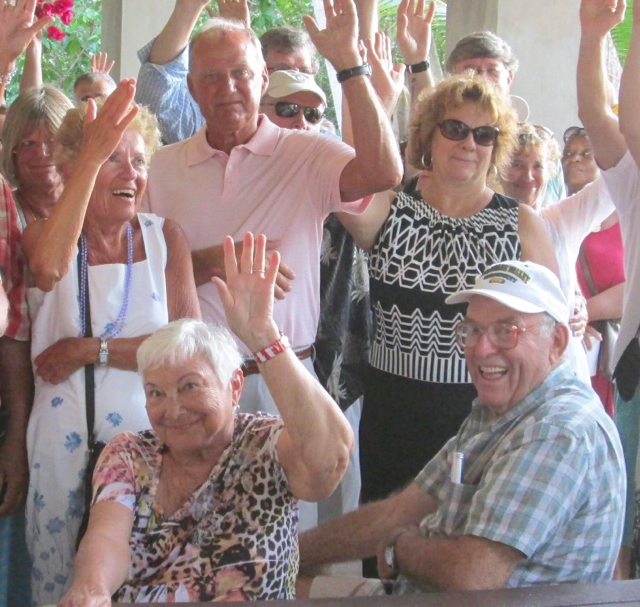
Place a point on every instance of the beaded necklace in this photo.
(112, 329)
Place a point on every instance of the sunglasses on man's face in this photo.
(455, 130)
(284, 109)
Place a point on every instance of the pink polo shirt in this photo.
(282, 183)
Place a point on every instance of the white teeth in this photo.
(127, 193)
(492, 369)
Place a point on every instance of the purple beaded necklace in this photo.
(112, 329)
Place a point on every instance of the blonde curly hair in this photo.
(68, 140)
(450, 94)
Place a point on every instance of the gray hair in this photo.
(38, 106)
(290, 40)
(218, 25)
(91, 77)
(483, 44)
(187, 338)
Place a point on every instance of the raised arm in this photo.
(175, 35)
(630, 90)
(377, 165)
(414, 42)
(50, 245)
(17, 30)
(32, 71)
(101, 63)
(315, 445)
(535, 242)
(597, 18)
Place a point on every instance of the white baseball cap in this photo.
(287, 82)
(523, 286)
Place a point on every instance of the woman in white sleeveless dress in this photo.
(138, 270)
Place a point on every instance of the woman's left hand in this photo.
(59, 361)
(247, 295)
(103, 129)
(578, 322)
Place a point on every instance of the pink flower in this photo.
(55, 33)
(45, 10)
(66, 17)
(62, 6)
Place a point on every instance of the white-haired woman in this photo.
(203, 507)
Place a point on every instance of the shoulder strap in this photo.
(586, 272)
(89, 381)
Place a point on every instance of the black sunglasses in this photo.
(572, 131)
(455, 130)
(285, 109)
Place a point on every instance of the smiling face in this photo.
(526, 177)
(189, 408)
(33, 158)
(464, 160)
(227, 79)
(578, 163)
(504, 377)
(121, 180)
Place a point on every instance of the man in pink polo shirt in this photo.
(241, 172)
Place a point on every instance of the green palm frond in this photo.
(622, 33)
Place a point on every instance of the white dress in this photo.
(57, 432)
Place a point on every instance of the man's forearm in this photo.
(175, 34)
(207, 263)
(455, 563)
(16, 383)
(630, 92)
(377, 155)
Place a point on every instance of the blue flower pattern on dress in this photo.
(115, 419)
(72, 442)
(55, 525)
(109, 329)
(38, 501)
(57, 401)
(148, 223)
(61, 579)
(76, 503)
(155, 297)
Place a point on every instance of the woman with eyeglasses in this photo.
(423, 246)
(568, 222)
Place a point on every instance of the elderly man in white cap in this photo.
(531, 489)
(293, 100)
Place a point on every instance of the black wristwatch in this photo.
(416, 68)
(360, 70)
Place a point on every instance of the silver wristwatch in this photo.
(103, 355)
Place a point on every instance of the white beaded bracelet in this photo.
(277, 347)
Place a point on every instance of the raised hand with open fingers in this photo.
(387, 79)
(17, 28)
(601, 16)
(338, 42)
(234, 9)
(100, 63)
(414, 30)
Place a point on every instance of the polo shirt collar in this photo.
(263, 142)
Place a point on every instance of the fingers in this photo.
(230, 262)
(259, 254)
(311, 26)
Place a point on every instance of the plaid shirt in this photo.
(163, 89)
(546, 478)
(13, 266)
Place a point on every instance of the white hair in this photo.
(183, 339)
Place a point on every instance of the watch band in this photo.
(103, 354)
(421, 66)
(360, 70)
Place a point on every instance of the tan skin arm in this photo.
(364, 228)
(377, 165)
(32, 71)
(66, 356)
(315, 444)
(535, 242)
(594, 105)
(358, 534)
(454, 563)
(630, 90)
(16, 392)
(102, 562)
(174, 37)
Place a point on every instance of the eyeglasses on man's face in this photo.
(502, 335)
(456, 130)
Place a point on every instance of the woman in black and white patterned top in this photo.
(425, 245)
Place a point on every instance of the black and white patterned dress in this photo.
(418, 390)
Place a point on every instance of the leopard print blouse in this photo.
(234, 539)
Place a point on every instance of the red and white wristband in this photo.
(277, 347)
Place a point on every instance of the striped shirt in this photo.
(546, 478)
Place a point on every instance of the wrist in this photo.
(363, 69)
(272, 348)
(417, 67)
